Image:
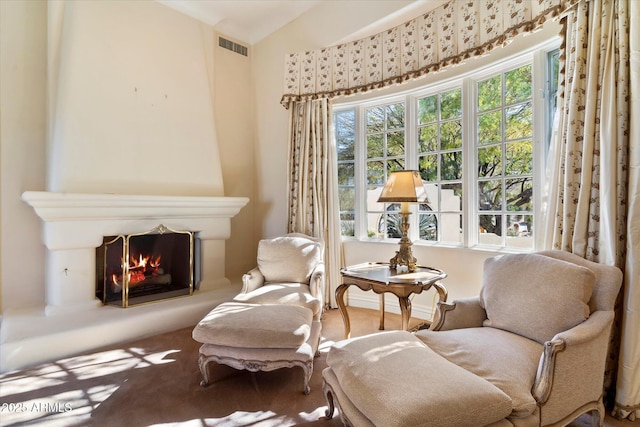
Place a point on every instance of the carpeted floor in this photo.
(155, 381)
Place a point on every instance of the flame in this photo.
(139, 269)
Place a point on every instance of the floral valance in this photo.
(446, 35)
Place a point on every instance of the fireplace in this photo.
(145, 267)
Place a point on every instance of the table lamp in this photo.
(405, 187)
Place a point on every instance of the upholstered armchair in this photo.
(533, 347)
(290, 271)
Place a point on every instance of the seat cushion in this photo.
(282, 293)
(395, 380)
(288, 258)
(255, 326)
(508, 361)
(535, 296)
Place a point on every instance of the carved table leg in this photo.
(405, 309)
(381, 312)
(340, 291)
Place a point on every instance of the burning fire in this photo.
(140, 269)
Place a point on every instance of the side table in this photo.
(379, 278)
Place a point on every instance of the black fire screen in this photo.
(145, 267)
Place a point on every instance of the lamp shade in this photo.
(403, 186)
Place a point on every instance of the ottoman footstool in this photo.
(258, 337)
(392, 379)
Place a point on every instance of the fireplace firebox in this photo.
(145, 267)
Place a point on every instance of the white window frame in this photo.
(536, 56)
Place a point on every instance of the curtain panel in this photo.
(444, 36)
(591, 189)
(312, 183)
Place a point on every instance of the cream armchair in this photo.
(554, 298)
(290, 271)
(533, 347)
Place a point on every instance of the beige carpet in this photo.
(155, 381)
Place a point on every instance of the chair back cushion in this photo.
(535, 296)
(607, 283)
(289, 259)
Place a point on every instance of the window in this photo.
(504, 155)
(476, 142)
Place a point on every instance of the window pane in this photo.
(375, 173)
(375, 119)
(490, 225)
(451, 197)
(345, 123)
(490, 161)
(451, 228)
(490, 127)
(394, 165)
(375, 146)
(345, 147)
(519, 194)
(428, 166)
(428, 109)
(451, 165)
(347, 224)
(375, 220)
(347, 198)
(428, 138)
(518, 84)
(395, 116)
(490, 195)
(451, 104)
(451, 135)
(428, 225)
(346, 172)
(395, 144)
(490, 93)
(519, 158)
(519, 121)
(520, 231)
(389, 222)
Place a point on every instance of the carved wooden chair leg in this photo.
(328, 395)
(204, 369)
(308, 371)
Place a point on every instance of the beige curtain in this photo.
(590, 202)
(313, 188)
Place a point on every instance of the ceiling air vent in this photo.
(233, 46)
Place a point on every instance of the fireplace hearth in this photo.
(145, 267)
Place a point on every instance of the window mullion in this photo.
(469, 165)
(411, 157)
(360, 174)
(539, 146)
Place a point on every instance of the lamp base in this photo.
(404, 255)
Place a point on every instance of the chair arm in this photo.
(571, 368)
(461, 313)
(252, 281)
(316, 282)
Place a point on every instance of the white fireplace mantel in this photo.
(82, 220)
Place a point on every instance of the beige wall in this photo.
(234, 112)
(132, 102)
(23, 65)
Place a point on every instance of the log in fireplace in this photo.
(145, 267)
